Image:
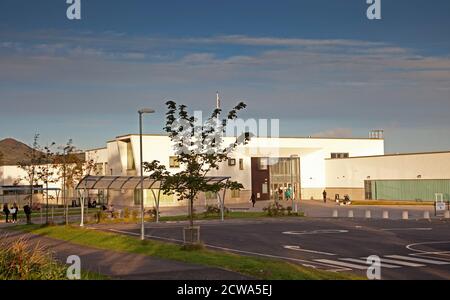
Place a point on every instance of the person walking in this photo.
(324, 196)
(288, 193)
(253, 199)
(14, 212)
(27, 211)
(6, 212)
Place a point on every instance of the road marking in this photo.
(302, 261)
(410, 246)
(401, 229)
(320, 231)
(342, 264)
(428, 261)
(399, 262)
(363, 261)
(297, 248)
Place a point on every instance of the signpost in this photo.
(439, 204)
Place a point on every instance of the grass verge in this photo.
(256, 267)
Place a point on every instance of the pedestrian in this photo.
(288, 193)
(280, 194)
(27, 211)
(253, 199)
(324, 196)
(6, 212)
(14, 212)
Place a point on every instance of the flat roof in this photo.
(393, 154)
(281, 137)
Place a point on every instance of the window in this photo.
(235, 193)
(173, 162)
(130, 158)
(231, 162)
(339, 155)
(241, 164)
(264, 188)
(137, 197)
(263, 163)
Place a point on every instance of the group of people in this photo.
(14, 210)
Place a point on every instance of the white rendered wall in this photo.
(351, 173)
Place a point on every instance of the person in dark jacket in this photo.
(324, 196)
(27, 211)
(6, 212)
(253, 199)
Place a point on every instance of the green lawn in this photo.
(260, 268)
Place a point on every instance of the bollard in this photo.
(426, 215)
(385, 214)
(368, 214)
(335, 213)
(350, 213)
(405, 215)
(447, 214)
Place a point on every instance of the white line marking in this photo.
(236, 250)
(342, 264)
(324, 231)
(400, 263)
(401, 229)
(428, 261)
(363, 261)
(297, 248)
(410, 246)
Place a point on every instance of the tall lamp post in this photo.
(141, 113)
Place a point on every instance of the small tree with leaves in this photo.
(71, 168)
(199, 148)
(29, 164)
(46, 172)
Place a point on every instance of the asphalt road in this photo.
(409, 249)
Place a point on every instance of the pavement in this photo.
(120, 265)
(408, 249)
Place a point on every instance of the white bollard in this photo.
(368, 214)
(405, 215)
(335, 213)
(447, 214)
(385, 214)
(426, 215)
(350, 213)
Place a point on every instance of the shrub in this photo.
(100, 216)
(211, 210)
(151, 213)
(134, 215)
(20, 261)
(126, 213)
(274, 209)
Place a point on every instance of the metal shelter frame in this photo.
(107, 183)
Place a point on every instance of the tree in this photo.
(28, 164)
(199, 149)
(45, 172)
(71, 167)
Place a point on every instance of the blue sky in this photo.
(319, 66)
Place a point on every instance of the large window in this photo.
(235, 193)
(263, 163)
(173, 162)
(339, 155)
(241, 164)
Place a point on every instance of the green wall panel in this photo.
(410, 190)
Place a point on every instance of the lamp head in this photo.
(146, 111)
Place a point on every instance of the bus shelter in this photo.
(132, 183)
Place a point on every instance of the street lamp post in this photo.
(141, 113)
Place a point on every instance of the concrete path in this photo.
(119, 265)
